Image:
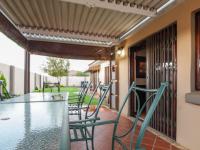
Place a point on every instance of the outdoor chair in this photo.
(101, 89)
(81, 91)
(152, 99)
(78, 102)
(79, 131)
(85, 107)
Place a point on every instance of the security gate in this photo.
(162, 66)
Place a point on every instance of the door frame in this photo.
(131, 71)
(131, 76)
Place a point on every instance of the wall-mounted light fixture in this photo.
(120, 52)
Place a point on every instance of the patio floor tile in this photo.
(103, 136)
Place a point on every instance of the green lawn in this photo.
(72, 91)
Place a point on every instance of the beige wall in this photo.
(102, 71)
(188, 115)
(18, 81)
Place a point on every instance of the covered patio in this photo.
(147, 42)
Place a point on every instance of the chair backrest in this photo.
(100, 100)
(153, 96)
(83, 83)
(83, 87)
(84, 92)
(92, 98)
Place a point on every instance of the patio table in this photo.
(34, 122)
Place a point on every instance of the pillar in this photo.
(26, 72)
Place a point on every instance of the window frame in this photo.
(197, 51)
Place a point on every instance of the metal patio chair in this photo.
(74, 107)
(82, 106)
(153, 97)
(81, 91)
(79, 131)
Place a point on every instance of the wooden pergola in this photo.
(77, 29)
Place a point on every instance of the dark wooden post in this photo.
(110, 79)
(12, 80)
(117, 82)
(26, 72)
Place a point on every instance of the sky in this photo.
(12, 54)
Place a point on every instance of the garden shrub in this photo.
(62, 86)
(36, 88)
(2, 77)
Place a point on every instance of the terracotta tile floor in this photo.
(103, 136)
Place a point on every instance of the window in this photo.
(197, 50)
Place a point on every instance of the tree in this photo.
(56, 67)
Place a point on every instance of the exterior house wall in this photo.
(102, 71)
(188, 122)
(123, 82)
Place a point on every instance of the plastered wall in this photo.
(188, 115)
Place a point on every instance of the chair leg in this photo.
(79, 114)
(86, 140)
(113, 141)
(87, 144)
(92, 141)
(113, 144)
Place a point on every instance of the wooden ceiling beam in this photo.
(11, 31)
(71, 51)
(56, 49)
(121, 7)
